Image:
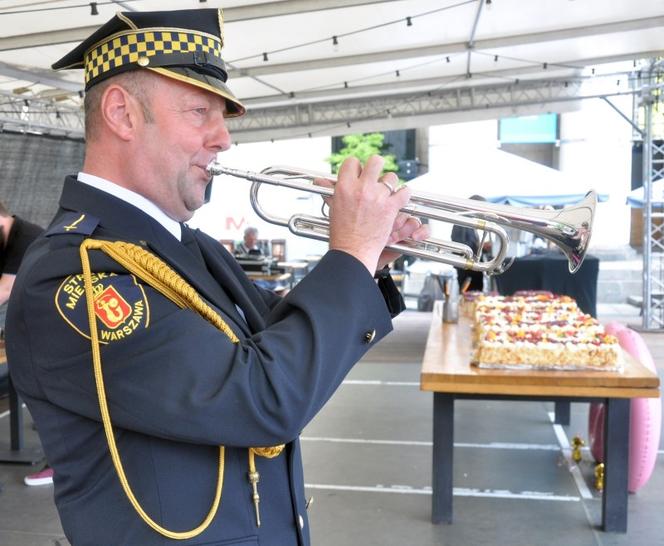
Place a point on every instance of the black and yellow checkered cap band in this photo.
(153, 48)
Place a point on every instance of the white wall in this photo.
(596, 147)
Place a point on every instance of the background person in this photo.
(16, 235)
(187, 352)
(249, 245)
(468, 236)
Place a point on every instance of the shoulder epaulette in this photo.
(79, 223)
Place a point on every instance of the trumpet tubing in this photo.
(569, 228)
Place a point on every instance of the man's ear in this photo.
(120, 111)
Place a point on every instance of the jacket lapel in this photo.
(194, 271)
(228, 274)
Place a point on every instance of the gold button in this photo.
(369, 336)
(143, 61)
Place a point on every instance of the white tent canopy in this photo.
(491, 173)
(636, 198)
(316, 67)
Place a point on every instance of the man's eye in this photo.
(202, 111)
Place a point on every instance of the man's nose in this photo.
(220, 137)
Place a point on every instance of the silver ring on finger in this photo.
(388, 186)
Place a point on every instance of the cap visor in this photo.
(234, 108)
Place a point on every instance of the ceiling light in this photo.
(93, 8)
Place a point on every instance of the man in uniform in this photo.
(168, 390)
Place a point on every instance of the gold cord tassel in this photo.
(254, 476)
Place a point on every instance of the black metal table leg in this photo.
(15, 418)
(562, 409)
(443, 448)
(17, 452)
(616, 465)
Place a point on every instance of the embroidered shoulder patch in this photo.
(120, 305)
(74, 222)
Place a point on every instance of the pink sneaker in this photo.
(43, 477)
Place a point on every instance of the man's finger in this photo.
(372, 169)
(350, 169)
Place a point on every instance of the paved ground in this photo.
(367, 462)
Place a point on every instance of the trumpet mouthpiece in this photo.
(213, 168)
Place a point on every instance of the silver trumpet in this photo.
(569, 228)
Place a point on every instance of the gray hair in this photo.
(138, 83)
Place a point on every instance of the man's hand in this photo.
(364, 213)
(405, 227)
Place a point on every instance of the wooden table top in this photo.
(446, 368)
(277, 277)
(293, 265)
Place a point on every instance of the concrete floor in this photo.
(367, 459)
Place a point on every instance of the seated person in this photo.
(249, 248)
(249, 245)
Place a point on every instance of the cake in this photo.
(542, 332)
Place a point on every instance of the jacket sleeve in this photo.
(181, 378)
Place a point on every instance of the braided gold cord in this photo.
(155, 272)
(161, 277)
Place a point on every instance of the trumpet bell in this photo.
(573, 235)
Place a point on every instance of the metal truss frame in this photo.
(40, 115)
(653, 217)
(336, 117)
(300, 119)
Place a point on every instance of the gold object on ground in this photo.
(599, 477)
(577, 444)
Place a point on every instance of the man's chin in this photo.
(195, 203)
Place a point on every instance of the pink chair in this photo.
(645, 416)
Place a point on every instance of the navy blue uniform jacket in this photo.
(177, 387)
